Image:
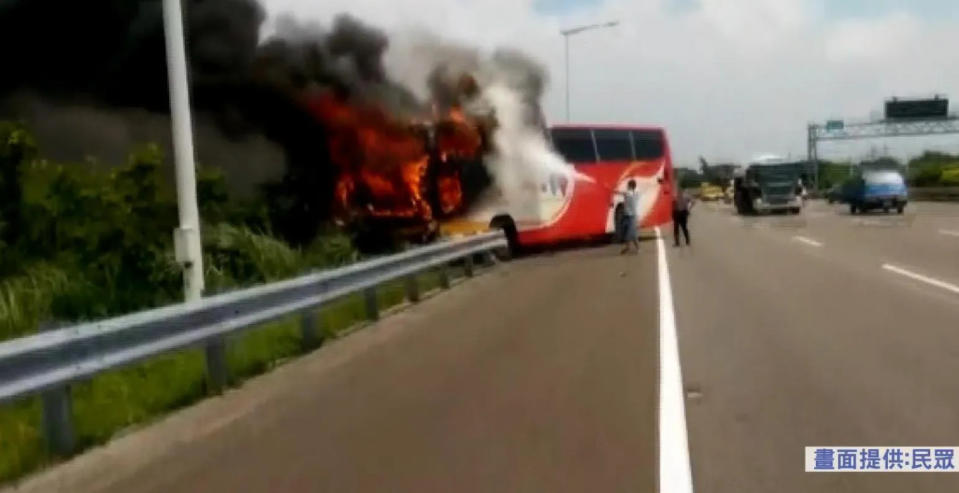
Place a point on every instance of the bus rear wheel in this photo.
(506, 224)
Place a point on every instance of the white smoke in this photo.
(510, 88)
(521, 152)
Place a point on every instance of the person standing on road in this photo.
(681, 206)
(630, 198)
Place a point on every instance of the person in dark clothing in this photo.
(681, 206)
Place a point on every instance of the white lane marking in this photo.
(808, 241)
(919, 277)
(674, 471)
(948, 232)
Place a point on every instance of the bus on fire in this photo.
(563, 208)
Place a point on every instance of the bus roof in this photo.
(614, 126)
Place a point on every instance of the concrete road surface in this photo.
(538, 376)
(824, 329)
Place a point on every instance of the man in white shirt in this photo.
(630, 199)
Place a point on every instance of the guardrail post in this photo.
(489, 259)
(372, 305)
(412, 288)
(444, 274)
(58, 421)
(311, 330)
(216, 369)
(468, 265)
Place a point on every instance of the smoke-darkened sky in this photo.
(729, 79)
(90, 79)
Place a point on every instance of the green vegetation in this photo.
(831, 174)
(934, 169)
(931, 169)
(116, 400)
(81, 241)
(688, 178)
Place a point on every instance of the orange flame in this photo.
(384, 164)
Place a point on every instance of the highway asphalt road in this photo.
(539, 375)
(793, 334)
(823, 329)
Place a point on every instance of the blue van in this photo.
(876, 189)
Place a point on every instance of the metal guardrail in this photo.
(945, 194)
(47, 363)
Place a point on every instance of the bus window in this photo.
(648, 144)
(575, 144)
(613, 144)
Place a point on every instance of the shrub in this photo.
(949, 178)
(17, 148)
(26, 299)
(238, 256)
(99, 243)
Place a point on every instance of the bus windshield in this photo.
(575, 144)
(591, 145)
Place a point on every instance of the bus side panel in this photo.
(591, 204)
(585, 211)
(662, 211)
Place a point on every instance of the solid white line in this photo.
(808, 241)
(919, 277)
(674, 471)
(948, 232)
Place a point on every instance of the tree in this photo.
(688, 178)
(17, 147)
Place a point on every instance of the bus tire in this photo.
(506, 224)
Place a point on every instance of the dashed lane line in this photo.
(921, 278)
(808, 241)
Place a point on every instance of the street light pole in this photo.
(573, 31)
(566, 63)
(186, 238)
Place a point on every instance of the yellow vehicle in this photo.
(709, 192)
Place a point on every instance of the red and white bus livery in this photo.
(562, 208)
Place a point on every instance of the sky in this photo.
(727, 79)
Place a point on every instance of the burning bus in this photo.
(397, 180)
(466, 171)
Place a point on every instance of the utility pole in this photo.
(186, 238)
(566, 64)
(812, 152)
(571, 32)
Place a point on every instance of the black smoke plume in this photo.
(102, 62)
(89, 76)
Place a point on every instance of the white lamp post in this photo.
(573, 31)
(189, 250)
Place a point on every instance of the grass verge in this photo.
(116, 400)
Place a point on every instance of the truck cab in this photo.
(768, 187)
